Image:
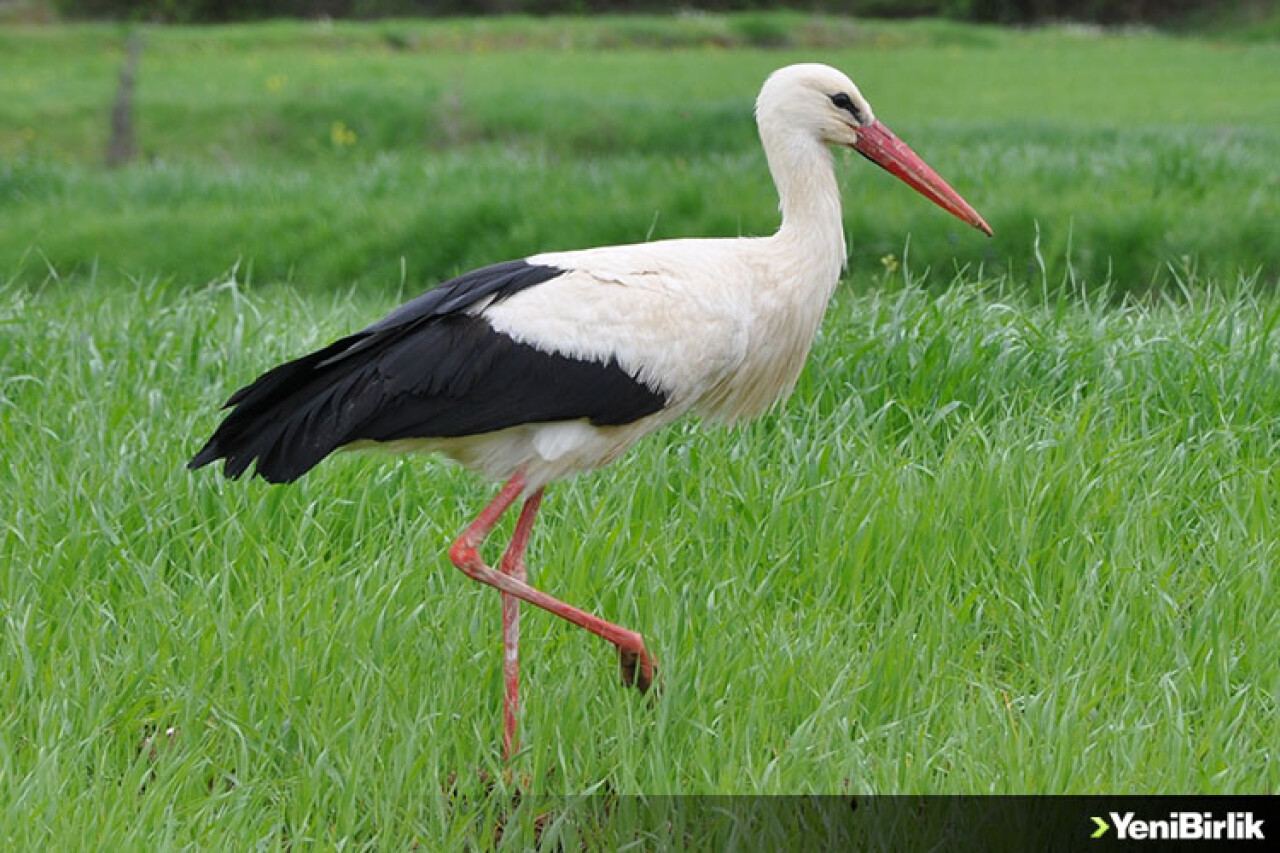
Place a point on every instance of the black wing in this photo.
(426, 370)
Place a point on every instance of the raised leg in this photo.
(638, 667)
(513, 566)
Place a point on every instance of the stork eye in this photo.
(844, 102)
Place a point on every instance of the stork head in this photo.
(822, 103)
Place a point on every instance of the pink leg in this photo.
(513, 566)
(637, 666)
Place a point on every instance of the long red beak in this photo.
(878, 144)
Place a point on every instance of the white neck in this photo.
(801, 268)
(809, 198)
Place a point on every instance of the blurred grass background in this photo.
(340, 153)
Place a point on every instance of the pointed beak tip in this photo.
(982, 226)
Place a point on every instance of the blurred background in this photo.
(1002, 11)
(395, 142)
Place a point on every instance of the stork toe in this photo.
(638, 670)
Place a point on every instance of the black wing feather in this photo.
(426, 370)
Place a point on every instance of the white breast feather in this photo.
(720, 326)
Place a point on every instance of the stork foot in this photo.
(638, 669)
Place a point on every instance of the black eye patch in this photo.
(844, 102)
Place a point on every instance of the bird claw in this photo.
(638, 669)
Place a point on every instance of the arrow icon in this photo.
(1102, 828)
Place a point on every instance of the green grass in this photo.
(330, 155)
(1015, 532)
(994, 544)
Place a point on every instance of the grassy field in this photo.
(327, 155)
(1015, 532)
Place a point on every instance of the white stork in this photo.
(533, 370)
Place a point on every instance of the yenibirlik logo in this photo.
(1182, 826)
